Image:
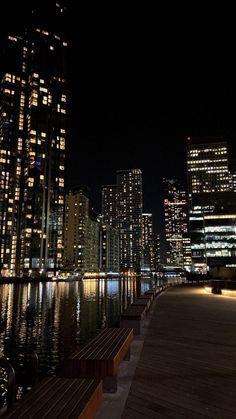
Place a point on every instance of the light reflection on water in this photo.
(54, 318)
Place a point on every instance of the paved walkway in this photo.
(187, 367)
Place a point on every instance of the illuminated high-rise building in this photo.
(76, 229)
(32, 146)
(109, 205)
(207, 166)
(208, 184)
(147, 242)
(210, 247)
(187, 254)
(220, 240)
(81, 232)
(93, 242)
(130, 205)
(176, 221)
(12, 114)
(109, 259)
(232, 179)
(156, 251)
(108, 249)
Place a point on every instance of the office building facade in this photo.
(220, 242)
(212, 241)
(232, 180)
(209, 184)
(207, 166)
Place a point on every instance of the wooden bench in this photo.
(132, 317)
(154, 291)
(146, 296)
(142, 302)
(102, 356)
(59, 398)
(151, 292)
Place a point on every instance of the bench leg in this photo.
(127, 356)
(109, 384)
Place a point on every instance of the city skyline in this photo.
(139, 88)
(124, 112)
(117, 210)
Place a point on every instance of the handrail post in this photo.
(35, 367)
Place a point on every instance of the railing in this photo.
(9, 385)
(10, 380)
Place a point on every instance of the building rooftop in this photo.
(204, 140)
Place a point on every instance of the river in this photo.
(53, 318)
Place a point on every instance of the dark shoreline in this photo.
(30, 280)
(18, 280)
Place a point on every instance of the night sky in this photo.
(141, 80)
(143, 83)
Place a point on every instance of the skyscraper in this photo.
(130, 205)
(147, 242)
(13, 96)
(93, 242)
(108, 249)
(156, 251)
(76, 230)
(187, 254)
(109, 205)
(232, 179)
(32, 144)
(220, 241)
(81, 233)
(176, 221)
(207, 166)
(208, 188)
(109, 232)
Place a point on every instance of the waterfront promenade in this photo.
(184, 365)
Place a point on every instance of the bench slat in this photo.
(95, 348)
(94, 343)
(53, 397)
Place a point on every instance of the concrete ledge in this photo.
(229, 293)
(221, 291)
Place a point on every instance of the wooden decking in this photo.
(187, 367)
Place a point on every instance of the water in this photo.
(54, 318)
